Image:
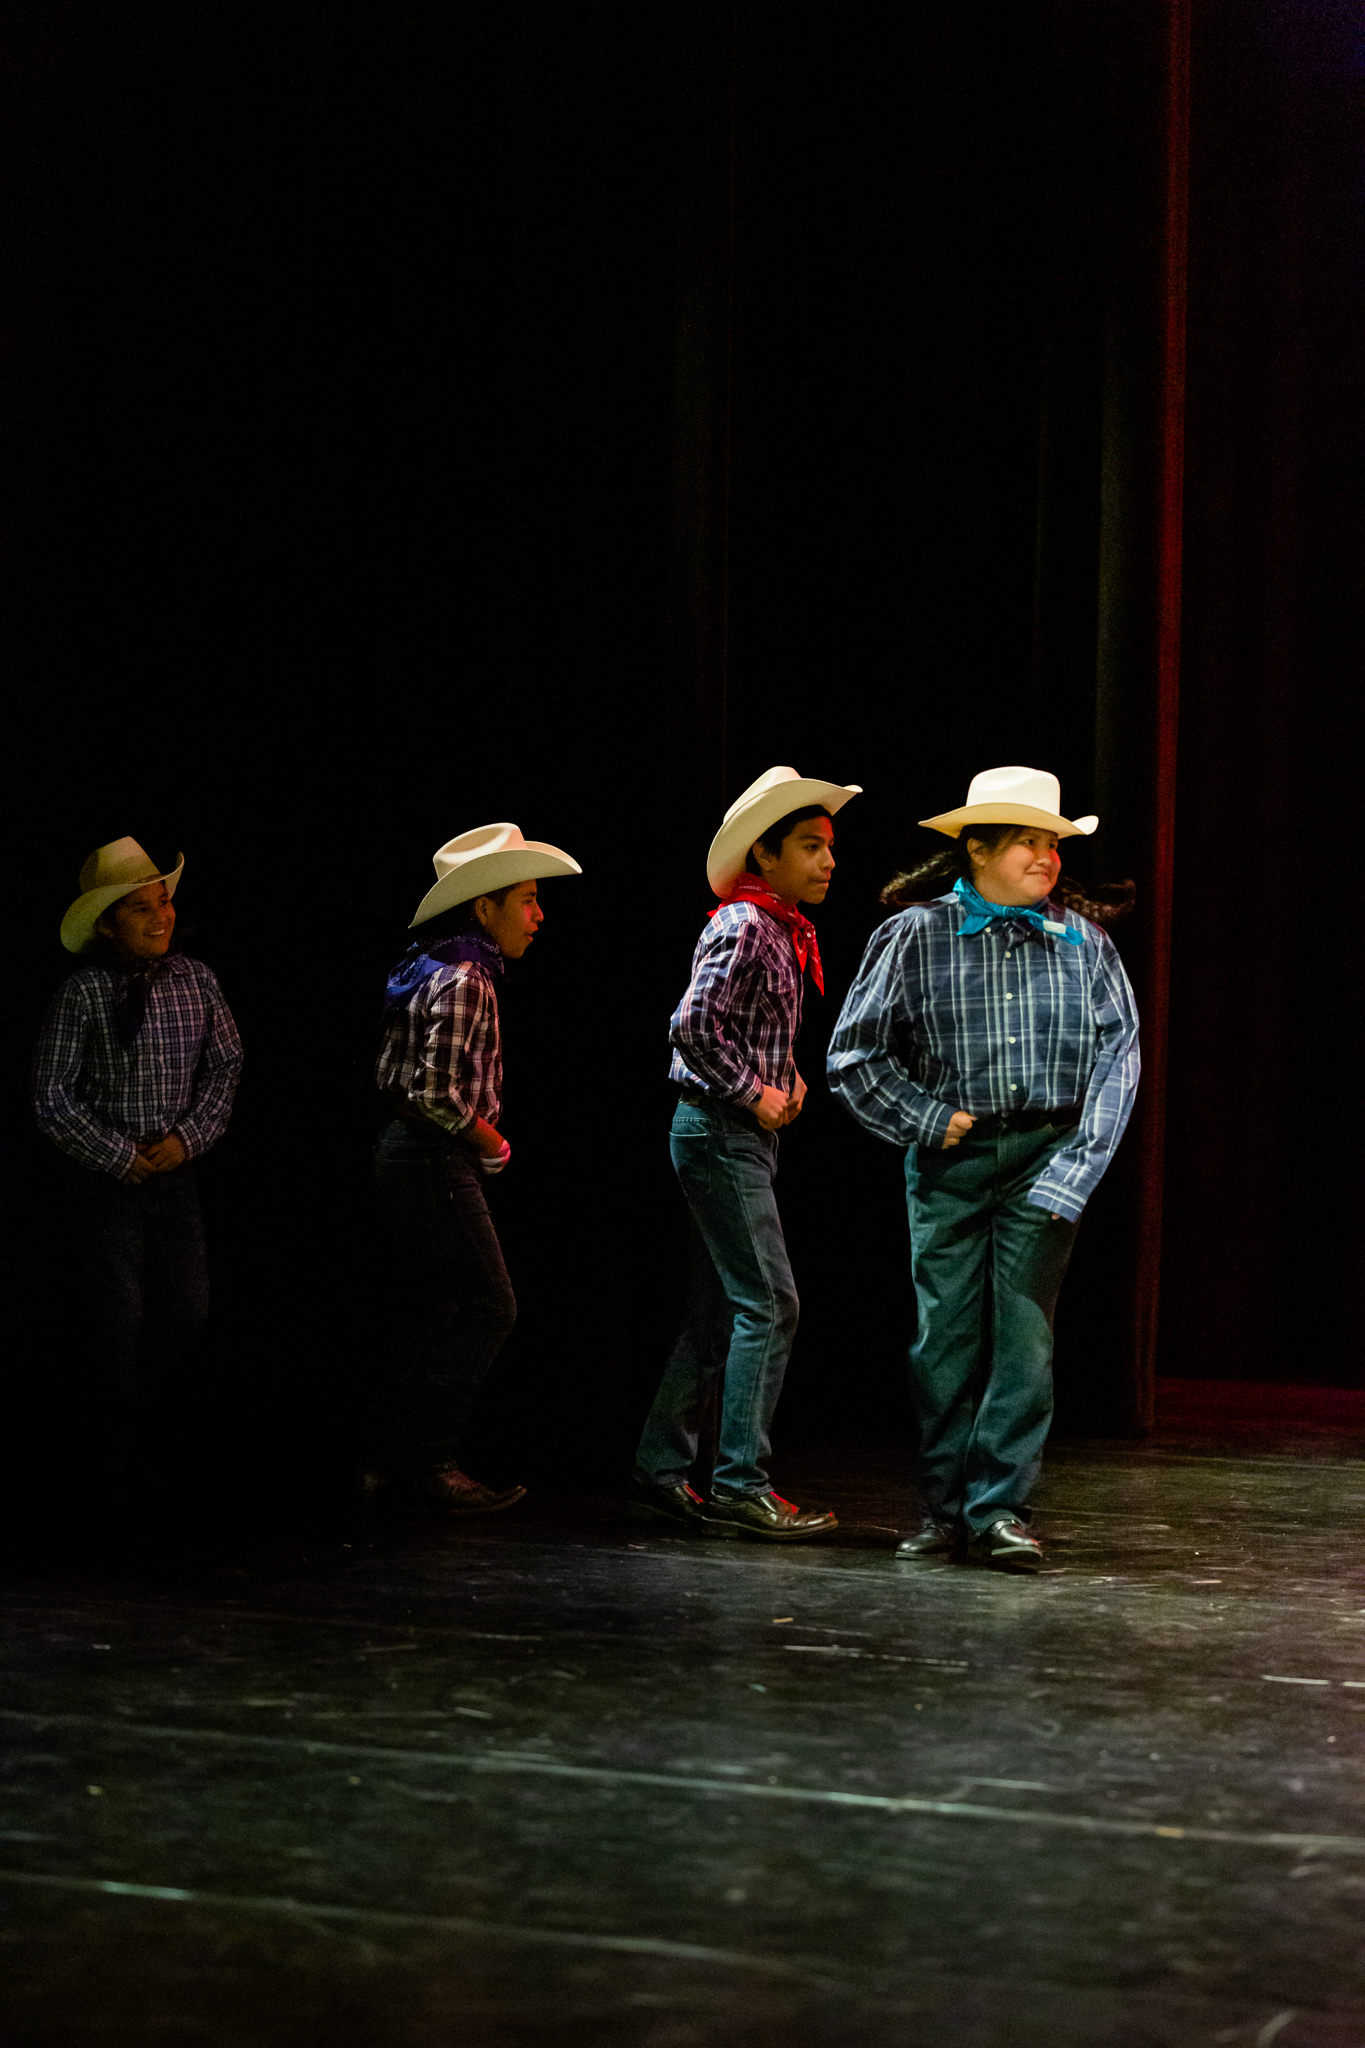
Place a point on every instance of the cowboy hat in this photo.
(112, 872)
(488, 858)
(1012, 796)
(775, 795)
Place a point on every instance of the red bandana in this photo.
(753, 889)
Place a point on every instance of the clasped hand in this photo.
(776, 1106)
(160, 1155)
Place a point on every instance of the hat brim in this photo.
(533, 861)
(78, 926)
(952, 822)
(730, 847)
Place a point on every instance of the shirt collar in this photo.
(981, 915)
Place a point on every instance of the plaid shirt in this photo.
(98, 1100)
(1007, 1019)
(732, 1033)
(442, 1050)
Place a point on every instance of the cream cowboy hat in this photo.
(1012, 796)
(775, 795)
(488, 858)
(112, 872)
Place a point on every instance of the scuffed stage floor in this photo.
(563, 1777)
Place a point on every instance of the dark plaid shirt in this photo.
(734, 1030)
(992, 1022)
(98, 1099)
(442, 1049)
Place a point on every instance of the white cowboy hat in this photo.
(488, 858)
(112, 872)
(1012, 796)
(775, 795)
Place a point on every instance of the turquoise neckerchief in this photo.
(981, 914)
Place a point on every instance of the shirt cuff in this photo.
(935, 1126)
(118, 1166)
(1057, 1201)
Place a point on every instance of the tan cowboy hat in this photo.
(112, 872)
(1012, 796)
(776, 794)
(488, 858)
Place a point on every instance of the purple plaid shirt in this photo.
(733, 1032)
(99, 1100)
(442, 1049)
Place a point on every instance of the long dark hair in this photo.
(936, 874)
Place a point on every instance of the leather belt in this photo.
(1025, 1120)
(694, 1099)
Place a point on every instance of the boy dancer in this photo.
(991, 1031)
(733, 1035)
(136, 1067)
(440, 1069)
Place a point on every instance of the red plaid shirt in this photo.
(442, 1049)
(734, 1030)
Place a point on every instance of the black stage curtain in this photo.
(565, 413)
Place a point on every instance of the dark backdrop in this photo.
(564, 413)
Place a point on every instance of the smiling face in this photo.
(513, 923)
(801, 872)
(1022, 871)
(140, 924)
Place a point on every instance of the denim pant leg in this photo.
(950, 1249)
(142, 1282)
(742, 1303)
(988, 1266)
(668, 1444)
(459, 1309)
(175, 1304)
(1030, 1252)
(106, 1220)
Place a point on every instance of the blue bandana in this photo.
(421, 961)
(981, 914)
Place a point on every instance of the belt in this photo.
(696, 1099)
(1025, 1120)
(401, 1113)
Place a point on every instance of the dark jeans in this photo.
(741, 1309)
(142, 1286)
(987, 1268)
(459, 1302)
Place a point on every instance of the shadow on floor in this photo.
(565, 1777)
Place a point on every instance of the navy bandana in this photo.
(420, 962)
(132, 986)
(980, 914)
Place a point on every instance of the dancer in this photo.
(733, 1035)
(440, 1070)
(991, 1031)
(136, 1067)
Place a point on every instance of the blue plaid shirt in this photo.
(98, 1100)
(733, 1031)
(1006, 1019)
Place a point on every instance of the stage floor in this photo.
(564, 1777)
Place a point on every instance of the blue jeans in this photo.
(741, 1308)
(987, 1268)
(142, 1286)
(458, 1307)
